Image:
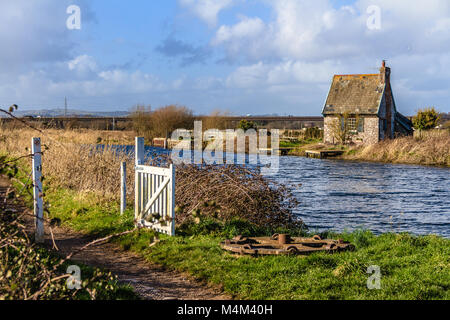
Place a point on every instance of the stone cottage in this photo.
(363, 105)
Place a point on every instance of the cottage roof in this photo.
(355, 94)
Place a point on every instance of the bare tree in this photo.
(170, 118)
(216, 120)
(141, 116)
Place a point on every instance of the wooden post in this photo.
(123, 187)
(139, 160)
(172, 198)
(139, 151)
(37, 190)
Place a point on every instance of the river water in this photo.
(343, 195)
(346, 195)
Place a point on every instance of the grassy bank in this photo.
(426, 148)
(299, 143)
(411, 267)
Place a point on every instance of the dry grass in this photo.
(72, 161)
(431, 134)
(78, 136)
(429, 148)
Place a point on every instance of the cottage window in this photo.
(352, 125)
(361, 125)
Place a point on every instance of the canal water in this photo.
(342, 195)
(346, 196)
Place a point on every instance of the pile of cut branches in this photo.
(230, 191)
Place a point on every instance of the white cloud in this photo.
(35, 32)
(281, 64)
(207, 10)
(270, 75)
(84, 67)
(81, 77)
(246, 28)
(242, 35)
(83, 63)
(310, 30)
(248, 76)
(306, 42)
(316, 31)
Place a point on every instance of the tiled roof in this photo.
(355, 94)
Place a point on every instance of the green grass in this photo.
(412, 267)
(85, 214)
(289, 144)
(298, 143)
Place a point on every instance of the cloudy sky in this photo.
(244, 56)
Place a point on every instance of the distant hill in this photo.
(70, 113)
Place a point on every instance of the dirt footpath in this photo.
(150, 281)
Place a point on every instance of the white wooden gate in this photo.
(154, 194)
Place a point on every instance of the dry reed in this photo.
(222, 191)
(426, 148)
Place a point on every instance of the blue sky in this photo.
(240, 56)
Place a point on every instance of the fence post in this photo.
(139, 151)
(172, 198)
(139, 160)
(123, 187)
(37, 190)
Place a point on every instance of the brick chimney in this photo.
(385, 73)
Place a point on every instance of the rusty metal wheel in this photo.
(240, 239)
(292, 250)
(317, 237)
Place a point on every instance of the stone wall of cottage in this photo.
(328, 133)
(371, 134)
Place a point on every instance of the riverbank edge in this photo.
(320, 276)
(347, 158)
(354, 154)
